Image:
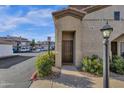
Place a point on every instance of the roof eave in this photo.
(69, 10)
(94, 8)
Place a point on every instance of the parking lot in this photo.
(9, 62)
(16, 71)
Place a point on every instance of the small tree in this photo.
(32, 44)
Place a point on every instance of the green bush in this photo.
(44, 63)
(117, 65)
(92, 64)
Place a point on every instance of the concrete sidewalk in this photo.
(71, 78)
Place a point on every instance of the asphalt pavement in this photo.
(15, 72)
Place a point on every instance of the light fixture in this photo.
(106, 30)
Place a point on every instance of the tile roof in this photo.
(80, 10)
(79, 6)
(69, 10)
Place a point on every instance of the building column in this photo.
(58, 49)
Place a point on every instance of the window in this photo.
(122, 48)
(117, 15)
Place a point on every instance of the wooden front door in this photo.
(114, 48)
(67, 51)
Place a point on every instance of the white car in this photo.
(42, 49)
(38, 50)
(23, 49)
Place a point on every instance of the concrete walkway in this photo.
(71, 78)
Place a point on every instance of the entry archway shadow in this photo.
(73, 81)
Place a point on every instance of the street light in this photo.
(106, 31)
(49, 40)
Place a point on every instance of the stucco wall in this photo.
(93, 22)
(88, 38)
(5, 50)
(107, 13)
(68, 23)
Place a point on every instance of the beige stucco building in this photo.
(77, 31)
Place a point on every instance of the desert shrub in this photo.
(92, 64)
(117, 65)
(44, 63)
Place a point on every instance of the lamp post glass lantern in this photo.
(106, 31)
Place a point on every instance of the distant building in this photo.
(17, 42)
(5, 48)
(44, 45)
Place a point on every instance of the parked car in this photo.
(15, 50)
(42, 49)
(24, 49)
(38, 50)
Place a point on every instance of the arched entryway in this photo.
(117, 46)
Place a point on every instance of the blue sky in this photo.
(32, 22)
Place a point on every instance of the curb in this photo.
(33, 78)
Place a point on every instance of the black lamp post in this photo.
(106, 31)
(49, 40)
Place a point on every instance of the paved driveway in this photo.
(15, 72)
(10, 61)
